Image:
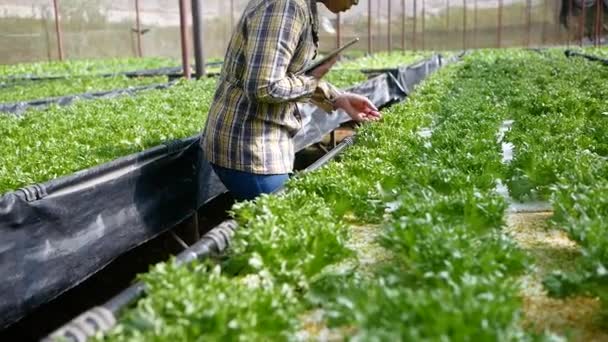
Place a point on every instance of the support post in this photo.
(369, 27)
(138, 29)
(464, 24)
(544, 29)
(378, 22)
(415, 24)
(389, 30)
(528, 21)
(499, 26)
(183, 26)
(338, 31)
(447, 18)
(475, 22)
(403, 21)
(58, 31)
(598, 22)
(423, 25)
(231, 15)
(569, 21)
(581, 26)
(197, 28)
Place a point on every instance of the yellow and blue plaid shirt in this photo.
(254, 117)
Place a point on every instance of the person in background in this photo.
(248, 137)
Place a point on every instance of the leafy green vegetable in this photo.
(383, 60)
(84, 67)
(43, 145)
(34, 90)
(452, 271)
(253, 309)
(347, 72)
(559, 134)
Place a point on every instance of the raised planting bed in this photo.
(41, 146)
(559, 133)
(409, 236)
(84, 67)
(349, 71)
(149, 191)
(35, 90)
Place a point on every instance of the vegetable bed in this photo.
(85, 134)
(83, 67)
(597, 51)
(348, 72)
(44, 145)
(420, 190)
(35, 90)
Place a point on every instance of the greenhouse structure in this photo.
(304, 170)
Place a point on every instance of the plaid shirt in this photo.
(254, 117)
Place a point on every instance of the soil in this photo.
(577, 318)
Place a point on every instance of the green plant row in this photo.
(84, 67)
(447, 270)
(383, 60)
(597, 51)
(35, 90)
(560, 131)
(347, 72)
(43, 145)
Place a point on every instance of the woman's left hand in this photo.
(358, 107)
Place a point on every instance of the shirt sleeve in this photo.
(325, 95)
(273, 35)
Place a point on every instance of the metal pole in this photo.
(338, 30)
(475, 22)
(464, 24)
(197, 28)
(403, 17)
(598, 22)
(389, 30)
(415, 24)
(582, 24)
(601, 23)
(447, 15)
(423, 25)
(499, 34)
(378, 23)
(231, 14)
(528, 21)
(183, 25)
(569, 21)
(138, 29)
(369, 27)
(544, 32)
(447, 19)
(58, 31)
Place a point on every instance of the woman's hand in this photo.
(320, 71)
(358, 107)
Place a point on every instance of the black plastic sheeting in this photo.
(19, 108)
(57, 234)
(573, 53)
(388, 87)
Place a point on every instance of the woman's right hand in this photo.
(320, 71)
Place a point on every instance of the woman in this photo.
(249, 133)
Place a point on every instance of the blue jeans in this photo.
(247, 186)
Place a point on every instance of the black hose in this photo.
(572, 53)
(331, 154)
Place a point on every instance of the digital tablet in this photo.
(329, 56)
